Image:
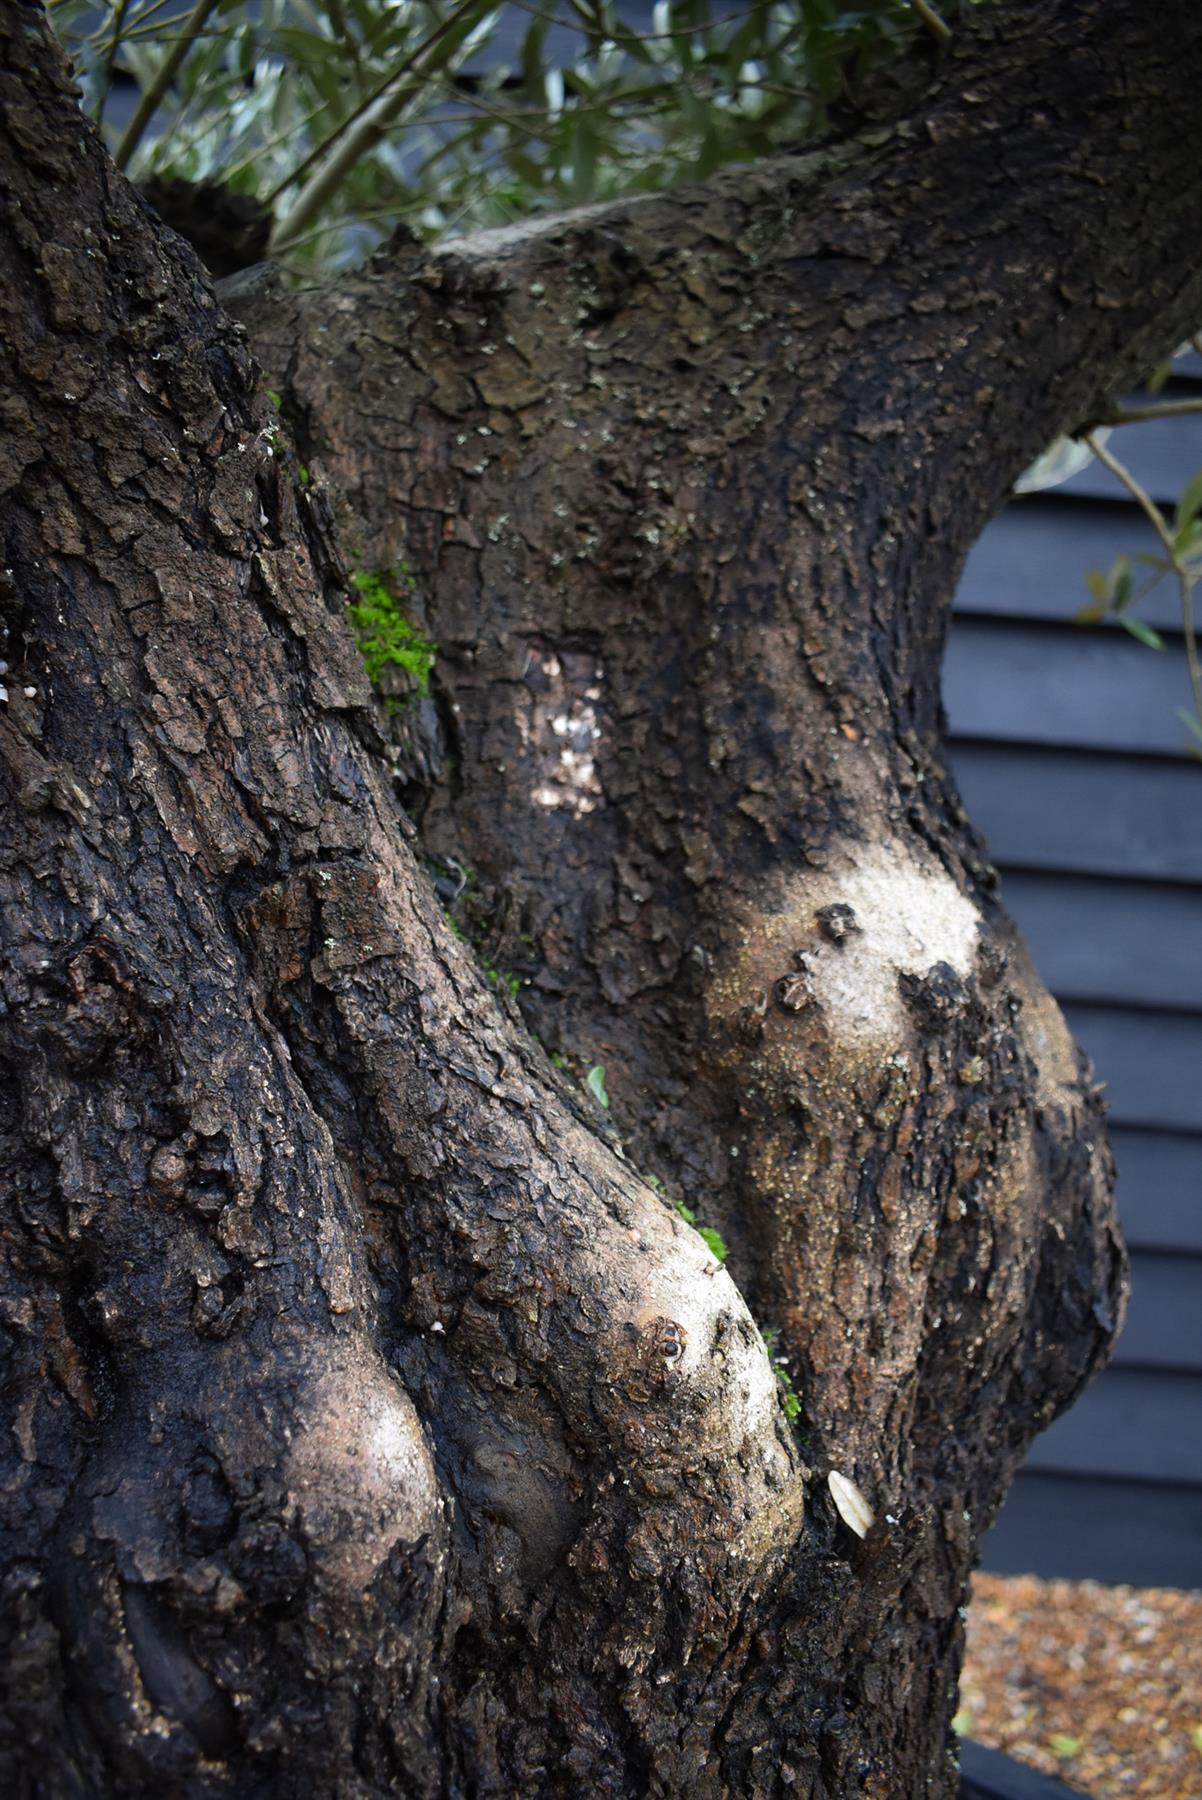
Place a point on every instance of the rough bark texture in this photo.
(375, 1427)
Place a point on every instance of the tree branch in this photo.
(153, 95)
(684, 486)
(1186, 579)
(938, 27)
(365, 127)
(260, 1083)
(1145, 415)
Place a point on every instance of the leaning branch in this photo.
(359, 134)
(1143, 415)
(168, 69)
(938, 28)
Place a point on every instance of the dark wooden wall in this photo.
(1071, 757)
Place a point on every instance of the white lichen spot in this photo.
(910, 916)
(558, 722)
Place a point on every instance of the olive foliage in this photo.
(461, 116)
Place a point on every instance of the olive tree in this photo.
(379, 1422)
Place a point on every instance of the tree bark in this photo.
(375, 1426)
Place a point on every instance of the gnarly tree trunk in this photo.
(374, 1426)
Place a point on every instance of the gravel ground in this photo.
(1099, 1685)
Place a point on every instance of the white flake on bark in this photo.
(850, 1504)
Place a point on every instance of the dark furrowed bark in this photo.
(686, 484)
(345, 1361)
(389, 1433)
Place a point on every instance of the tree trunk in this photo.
(375, 1426)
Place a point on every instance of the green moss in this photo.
(499, 978)
(713, 1240)
(384, 635)
(780, 1368)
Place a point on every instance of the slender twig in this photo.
(383, 215)
(167, 71)
(645, 103)
(162, 34)
(1140, 415)
(662, 93)
(106, 76)
(260, 152)
(360, 131)
(938, 28)
(621, 31)
(159, 31)
(1160, 525)
(315, 154)
(98, 36)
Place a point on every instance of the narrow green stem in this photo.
(1160, 525)
(168, 69)
(1140, 415)
(106, 79)
(143, 23)
(938, 28)
(360, 132)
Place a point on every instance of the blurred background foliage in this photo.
(343, 118)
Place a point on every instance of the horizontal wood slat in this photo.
(1031, 563)
(1128, 942)
(1070, 757)
(1064, 685)
(1151, 1063)
(1159, 1189)
(1090, 814)
(1164, 1323)
(1132, 1425)
(1058, 1525)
